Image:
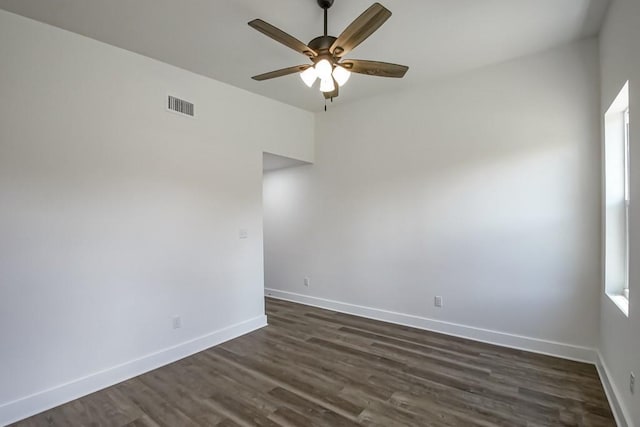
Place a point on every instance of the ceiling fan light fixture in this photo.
(341, 75)
(327, 85)
(324, 69)
(326, 52)
(309, 76)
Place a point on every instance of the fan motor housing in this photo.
(321, 43)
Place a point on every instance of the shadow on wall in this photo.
(272, 162)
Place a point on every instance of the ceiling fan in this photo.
(327, 52)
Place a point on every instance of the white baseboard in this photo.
(30, 405)
(551, 348)
(623, 419)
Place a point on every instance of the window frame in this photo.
(617, 200)
(627, 199)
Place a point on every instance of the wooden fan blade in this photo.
(280, 73)
(358, 31)
(375, 68)
(282, 37)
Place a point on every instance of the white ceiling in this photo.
(211, 37)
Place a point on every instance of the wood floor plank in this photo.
(314, 367)
(314, 414)
(153, 405)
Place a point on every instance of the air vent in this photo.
(180, 106)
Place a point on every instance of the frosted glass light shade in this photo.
(341, 75)
(324, 69)
(327, 85)
(309, 76)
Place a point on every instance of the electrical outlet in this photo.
(437, 301)
(307, 282)
(177, 322)
(632, 383)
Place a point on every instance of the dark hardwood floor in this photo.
(316, 367)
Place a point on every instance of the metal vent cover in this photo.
(180, 106)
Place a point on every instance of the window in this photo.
(627, 201)
(617, 200)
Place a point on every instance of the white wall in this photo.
(483, 189)
(116, 215)
(620, 336)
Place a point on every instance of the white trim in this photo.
(552, 348)
(619, 411)
(30, 405)
(621, 302)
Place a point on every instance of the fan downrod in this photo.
(325, 4)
